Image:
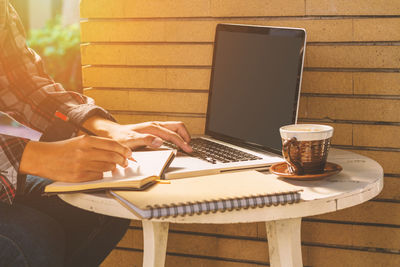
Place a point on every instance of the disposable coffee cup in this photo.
(305, 147)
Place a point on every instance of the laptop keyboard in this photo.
(214, 152)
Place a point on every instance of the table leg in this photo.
(284, 243)
(155, 235)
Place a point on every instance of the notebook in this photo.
(254, 90)
(210, 193)
(149, 167)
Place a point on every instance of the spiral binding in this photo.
(222, 205)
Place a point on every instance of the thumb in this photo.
(144, 140)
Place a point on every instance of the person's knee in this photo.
(11, 254)
(30, 238)
(15, 253)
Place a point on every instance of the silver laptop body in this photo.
(254, 89)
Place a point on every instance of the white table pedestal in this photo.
(155, 235)
(284, 242)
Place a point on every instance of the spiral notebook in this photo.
(211, 193)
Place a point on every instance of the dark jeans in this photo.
(46, 231)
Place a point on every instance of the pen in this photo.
(65, 118)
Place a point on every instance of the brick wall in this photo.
(150, 60)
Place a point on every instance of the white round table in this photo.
(360, 180)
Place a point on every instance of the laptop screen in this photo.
(255, 84)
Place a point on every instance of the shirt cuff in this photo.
(81, 113)
(61, 130)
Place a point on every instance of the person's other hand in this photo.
(149, 134)
(78, 159)
(153, 133)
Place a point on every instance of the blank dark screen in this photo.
(254, 86)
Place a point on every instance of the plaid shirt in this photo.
(30, 96)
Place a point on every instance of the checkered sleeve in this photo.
(27, 93)
(11, 149)
(30, 96)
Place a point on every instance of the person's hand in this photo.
(149, 134)
(78, 159)
(153, 133)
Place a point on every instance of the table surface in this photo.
(360, 180)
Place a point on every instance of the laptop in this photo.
(254, 90)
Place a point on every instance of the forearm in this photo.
(32, 161)
(100, 126)
(149, 134)
(78, 159)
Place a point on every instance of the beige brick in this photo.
(377, 83)
(237, 229)
(363, 83)
(342, 134)
(387, 159)
(123, 258)
(194, 78)
(327, 82)
(200, 245)
(157, 78)
(333, 30)
(206, 8)
(201, 55)
(317, 30)
(377, 135)
(235, 8)
(350, 235)
(148, 31)
(353, 7)
(136, 223)
(195, 125)
(173, 261)
(127, 239)
(383, 212)
(387, 29)
(144, 8)
(353, 56)
(391, 188)
(365, 135)
(324, 30)
(350, 109)
(149, 54)
(332, 257)
(313, 256)
(152, 101)
(210, 245)
(224, 248)
(204, 30)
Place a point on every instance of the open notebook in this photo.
(149, 167)
(211, 193)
